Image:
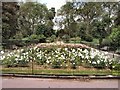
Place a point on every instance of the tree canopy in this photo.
(86, 20)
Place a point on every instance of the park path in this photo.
(58, 83)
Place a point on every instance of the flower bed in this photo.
(59, 57)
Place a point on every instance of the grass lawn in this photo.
(61, 71)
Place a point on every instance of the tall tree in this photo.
(117, 20)
(88, 12)
(31, 15)
(109, 14)
(9, 19)
(67, 14)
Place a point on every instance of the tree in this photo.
(115, 37)
(117, 20)
(87, 12)
(47, 28)
(31, 15)
(99, 31)
(109, 14)
(67, 21)
(9, 19)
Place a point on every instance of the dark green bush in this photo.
(75, 40)
(36, 39)
(41, 61)
(117, 51)
(117, 67)
(106, 42)
(22, 63)
(56, 64)
(66, 38)
(87, 38)
(51, 39)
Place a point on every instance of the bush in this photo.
(116, 67)
(115, 36)
(56, 64)
(36, 38)
(55, 57)
(117, 51)
(87, 38)
(106, 42)
(51, 39)
(75, 40)
(9, 62)
(66, 38)
(12, 62)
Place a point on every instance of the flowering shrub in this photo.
(58, 57)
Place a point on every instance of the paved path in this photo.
(55, 83)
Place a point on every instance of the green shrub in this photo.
(9, 62)
(51, 39)
(87, 38)
(116, 67)
(36, 38)
(106, 42)
(66, 38)
(56, 64)
(56, 57)
(75, 40)
(117, 51)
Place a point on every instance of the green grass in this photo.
(60, 71)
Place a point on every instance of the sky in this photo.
(50, 3)
(53, 3)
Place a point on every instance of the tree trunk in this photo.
(100, 42)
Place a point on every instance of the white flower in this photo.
(56, 51)
(79, 54)
(106, 53)
(73, 50)
(48, 61)
(92, 55)
(2, 57)
(2, 52)
(94, 62)
(49, 57)
(56, 55)
(62, 56)
(82, 56)
(22, 50)
(113, 66)
(87, 57)
(59, 49)
(86, 51)
(16, 59)
(18, 50)
(35, 47)
(66, 49)
(98, 61)
(74, 63)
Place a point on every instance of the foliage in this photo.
(31, 14)
(87, 20)
(9, 19)
(115, 37)
(51, 39)
(41, 30)
(106, 42)
(66, 38)
(14, 60)
(75, 40)
(58, 58)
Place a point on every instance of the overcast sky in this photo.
(53, 3)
